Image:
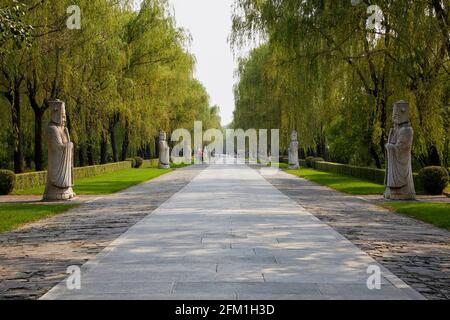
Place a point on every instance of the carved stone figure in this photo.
(60, 155)
(399, 176)
(187, 152)
(164, 151)
(293, 151)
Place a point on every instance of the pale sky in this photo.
(209, 22)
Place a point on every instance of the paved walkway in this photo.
(229, 234)
(34, 258)
(416, 252)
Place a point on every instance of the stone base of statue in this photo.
(164, 166)
(404, 193)
(294, 166)
(53, 193)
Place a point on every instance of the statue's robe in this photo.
(399, 175)
(164, 155)
(60, 164)
(293, 155)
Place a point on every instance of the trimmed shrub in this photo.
(152, 163)
(138, 162)
(434, 179)
(7, 182)
(39, 178)
(364, 173)
(309, 161)
(133, 162)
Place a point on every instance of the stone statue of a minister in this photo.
(399, 176)
(164, 151)
(293, 151)
(60, 155)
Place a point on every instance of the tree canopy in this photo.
(124, 75)
(326, 72)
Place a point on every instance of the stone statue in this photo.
(187, 152)
(399, 176)
(164, 155)
(293, 151)
(60, 155)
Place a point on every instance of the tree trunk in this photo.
(375, 156)
(125, 143)
(103, 150)
(112, 133)
(17, 130)
(157, 147)
(148, 153)
(90, 154)
(38, 153)
(81, 158)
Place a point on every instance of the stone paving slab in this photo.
(34, 258)
(416, 252)
(273, 247)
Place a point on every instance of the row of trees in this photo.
(332, 71)
(124, 75)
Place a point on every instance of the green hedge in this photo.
(365, 173)
(151, 163)
(35, 179)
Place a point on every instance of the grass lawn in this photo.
(106, 183)
(14, 215)
(339, 182)
(437, 214)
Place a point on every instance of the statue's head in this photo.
(57, 112)
(401, 112)
(162, 135)
(294, 135)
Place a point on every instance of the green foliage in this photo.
(138, 161)
(7, 181)
(434, 179)
(13, 27)
(13, 215)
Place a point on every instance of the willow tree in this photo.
(329, 56)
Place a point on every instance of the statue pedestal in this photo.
(164, 166)
(399, 194)
(53, 193)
